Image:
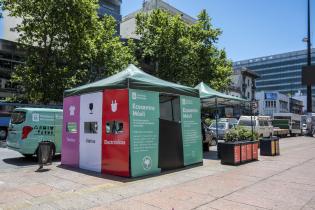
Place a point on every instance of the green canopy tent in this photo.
(212, 97)
(146, 125)
(134, 78)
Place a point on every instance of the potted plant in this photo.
(239, 146)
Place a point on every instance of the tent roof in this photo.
(134, 78)
(208, 95)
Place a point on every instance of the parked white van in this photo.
(262, 124)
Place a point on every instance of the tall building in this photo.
(10, 56)
(280, 72)
(128, 23)
(113, 8)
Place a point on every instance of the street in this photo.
(283, 182)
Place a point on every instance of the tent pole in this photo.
(216, 119)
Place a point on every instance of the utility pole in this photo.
(309, 58)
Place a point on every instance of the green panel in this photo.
(191, 129)
(281, 123)
(144, 132)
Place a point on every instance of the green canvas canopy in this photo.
(210, 96)
(134, 78)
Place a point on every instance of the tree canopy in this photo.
(181, 52)
(66, 43)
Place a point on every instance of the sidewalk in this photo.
(284, 182)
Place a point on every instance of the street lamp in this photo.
(309, 59)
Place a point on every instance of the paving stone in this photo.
(283, 182)
(127, 204)
(228, 205)
(37, 190)
(12, 195)
(173, 198)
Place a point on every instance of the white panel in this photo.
(91, 143)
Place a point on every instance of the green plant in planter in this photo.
(240, 134)
(232, 135)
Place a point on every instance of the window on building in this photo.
(248, 95)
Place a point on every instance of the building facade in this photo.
(113, 8)
(243, 83)
(280, 73)
(270, 102)
(10, 56)
(300, 97)
(128, 23)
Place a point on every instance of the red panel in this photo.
(237, 154)
(249, 148)
(255, 151)
(243, 152)
(115, 145)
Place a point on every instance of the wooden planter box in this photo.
(235, 153)
(230, 153)
(270, 146)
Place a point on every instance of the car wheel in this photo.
(3, 133)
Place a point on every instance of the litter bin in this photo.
(269, 146)
(45, 153)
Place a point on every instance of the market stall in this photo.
(131, 124)
(212, 98)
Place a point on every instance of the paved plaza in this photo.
(283, 182)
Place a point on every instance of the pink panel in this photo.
(71, 131)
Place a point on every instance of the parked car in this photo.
(261, 124)
(224, 126)
(4, 123)
(30, 126)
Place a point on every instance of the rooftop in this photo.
(287, 55)
(150, 5)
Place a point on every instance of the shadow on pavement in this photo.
(41, 170)
(26, 161)
(124, 179)
(211, 155)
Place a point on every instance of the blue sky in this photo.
(251, 28)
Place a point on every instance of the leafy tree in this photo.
(181, 52)
(63, 41)
(110, 55)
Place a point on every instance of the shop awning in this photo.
(134, 78)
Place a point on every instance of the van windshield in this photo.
(246, 122)
(220, 125)
(18, 117)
